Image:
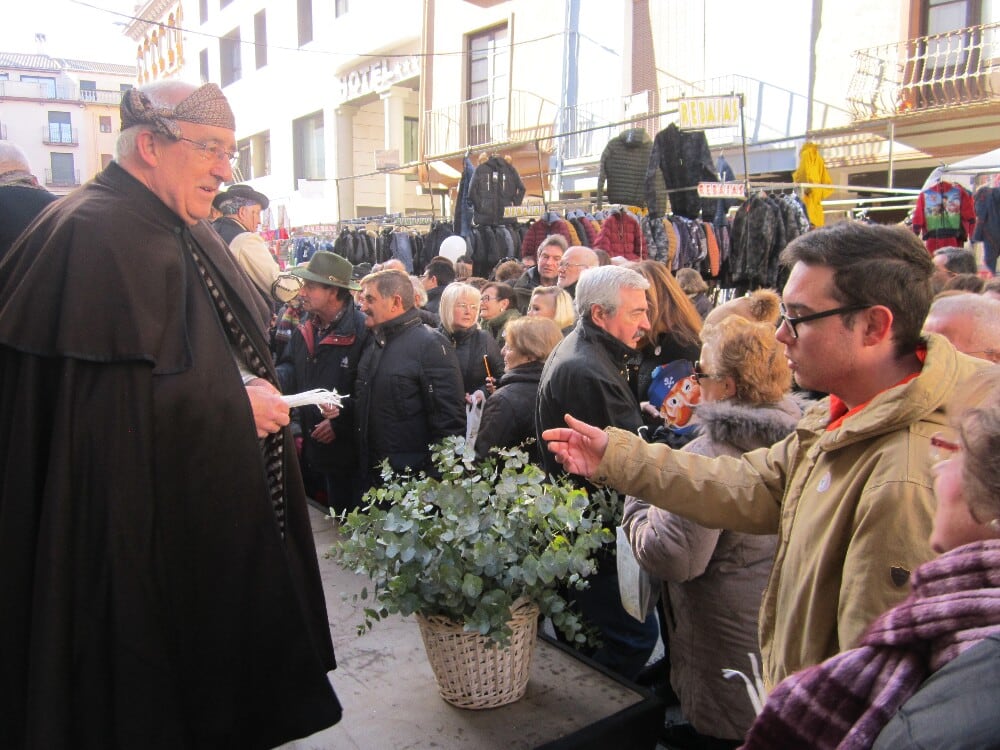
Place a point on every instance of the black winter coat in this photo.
(470, 348)
(409, 394)
(331, 363)
(495, 185)
(684, 159)
(509, 414)
(586, 375)
(19, 205)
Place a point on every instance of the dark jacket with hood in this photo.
(330, 363)
(623, 166)
(684, 159)
(409, 394)
(495, 185)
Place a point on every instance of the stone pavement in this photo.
(390, 700)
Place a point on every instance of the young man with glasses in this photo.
(849, 492)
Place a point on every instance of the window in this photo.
(203, 11)
(411, 137)
(123, 87)
(305, 21)
(63, 170)
(106, 159)
(46, 85)
(943, 16)
(487, 75)
(308, 148)
(224, 3)
(60, 128)
(229, 57)
(339, 8)
(88, 91)
(203, 65)
(260, 39)
(105, 121)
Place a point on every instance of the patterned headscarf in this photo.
(206, 105)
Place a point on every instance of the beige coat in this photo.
(852, 508)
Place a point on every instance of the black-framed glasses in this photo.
(214, 151)
(793, 322)
(486, 298)
(700, 375)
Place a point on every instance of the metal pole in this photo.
(743, 138)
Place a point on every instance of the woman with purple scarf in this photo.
(926, 674)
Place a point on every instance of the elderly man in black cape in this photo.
(157, 569)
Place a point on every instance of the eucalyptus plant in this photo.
(470, 541)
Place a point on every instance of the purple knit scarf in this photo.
(847, 700)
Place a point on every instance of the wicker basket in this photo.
(470, 669)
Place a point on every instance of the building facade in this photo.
(348, 109)
(63, 114)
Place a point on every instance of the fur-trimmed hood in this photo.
(749, 427)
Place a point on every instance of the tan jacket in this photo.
(852, 507)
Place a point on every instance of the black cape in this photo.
(149, 598)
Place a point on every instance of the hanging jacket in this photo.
(623, 166)
(541, 228)
(463, 204)
(944, 215)
(495, 185)
(621, 236)
(684, 160)
(987, 231)
(812, 168)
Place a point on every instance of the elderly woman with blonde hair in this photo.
(713, 579)
(477, 350)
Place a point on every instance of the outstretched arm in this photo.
(579, 447)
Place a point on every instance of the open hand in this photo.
(579, 447)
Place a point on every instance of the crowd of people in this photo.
(806, 471)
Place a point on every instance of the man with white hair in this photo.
(21, 197)
(588, 372)
(157, 566)
(971, 322)
(575, 261)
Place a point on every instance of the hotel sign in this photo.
(709, 112)
(377, 75)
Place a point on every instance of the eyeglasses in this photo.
(486, 298)
(699, 375)
(793, 322)
(467, 305)
(564, 265)
(214, 151)
(942, 448)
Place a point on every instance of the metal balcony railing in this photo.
(60, 134)
(487, 120)
(62, 178)
(771, 113)
(48, 91)
(929, 72)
